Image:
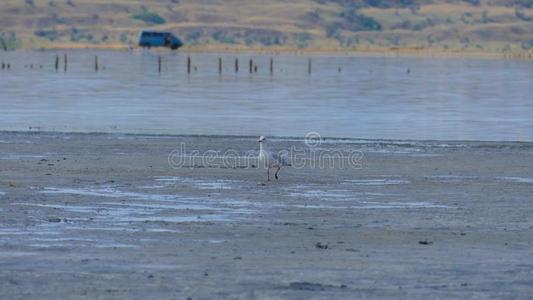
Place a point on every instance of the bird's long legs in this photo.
(268, 174)
(277, 171)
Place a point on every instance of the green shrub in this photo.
(9, 41)
(224, 37)
(50, 34)
(150, 17)
(124, 37)
(264, 37)
(302, 39)
(359, 22)
(333, 30)
(192, 37)
(526, 45)
(77, 35)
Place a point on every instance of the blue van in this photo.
(159, 39)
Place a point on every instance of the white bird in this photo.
(269, 160)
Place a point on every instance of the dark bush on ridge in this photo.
(149, 17)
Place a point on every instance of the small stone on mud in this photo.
(306, 286)
(425, 242)
(54, 220)
(237, 258)
(319, 245)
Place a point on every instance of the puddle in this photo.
(377, 205)
(321, 194)
(114, 228)
(110, 193)
(517, 179)
(451, 178)
(179, 219)
(66, 239)
(377, 181)
(21, 157)
(5, 254)
(403, 205)
(144, 207)
(202, 184)
(161, 230)
(115, 245)
(312, 192)
(210, 241)
(71, 208)
(25, 232)
(51, 245)
(424, 155)
(152, 186)
(3, 193)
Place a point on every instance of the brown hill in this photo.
(477, 25)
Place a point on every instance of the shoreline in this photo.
(355, 140)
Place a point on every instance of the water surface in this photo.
(369, 97)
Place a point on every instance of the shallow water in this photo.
(517, 179)
(377, 181)
(373, 97)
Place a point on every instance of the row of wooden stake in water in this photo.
(251, 65)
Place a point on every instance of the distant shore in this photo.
(399, 51)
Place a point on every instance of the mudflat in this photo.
(111, 216)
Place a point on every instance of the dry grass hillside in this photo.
(465, 25)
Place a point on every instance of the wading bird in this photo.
(268, 160)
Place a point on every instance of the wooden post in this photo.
(220, 65)
(66, 62)
(96, 63)
(159, 64)
(251, 66)
(255, 69)
(188, 65)
(236, 65)
(309, 66)
(57, 63)
(271, 66)
(3, 65)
